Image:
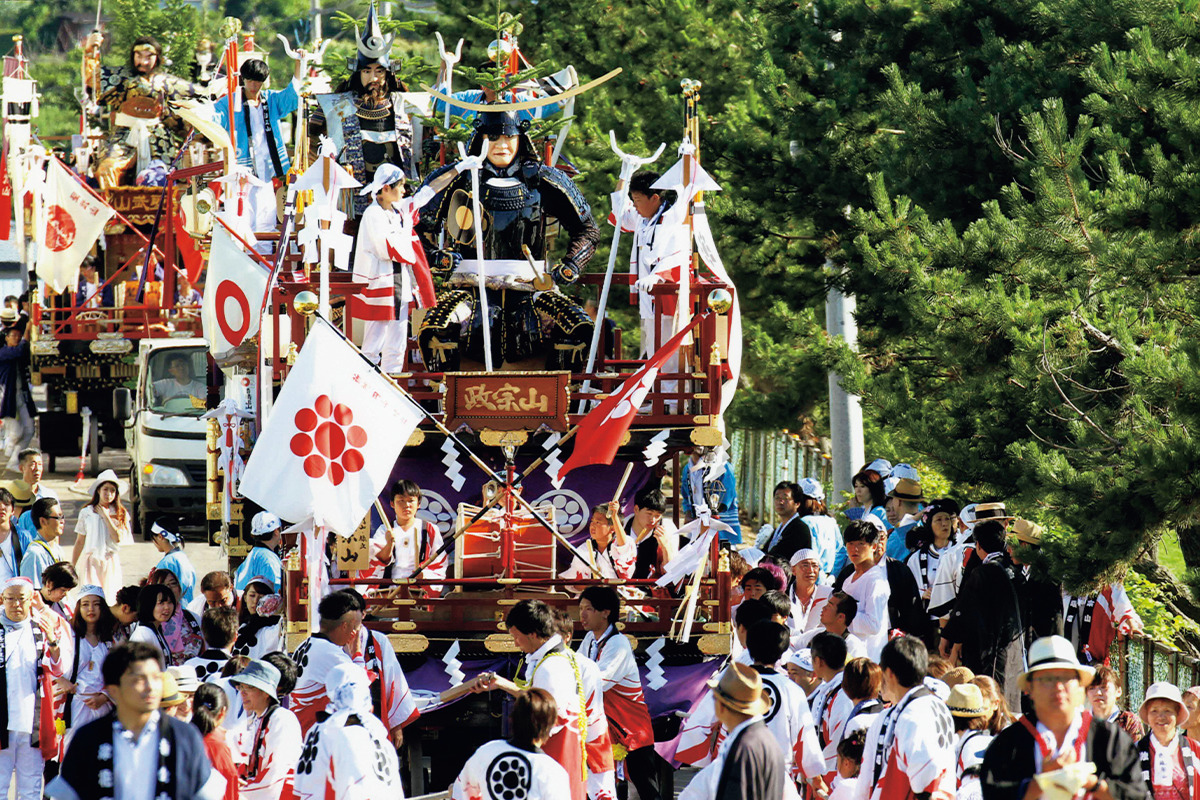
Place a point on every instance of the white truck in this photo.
(164, 433)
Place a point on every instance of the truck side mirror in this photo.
(122, 404)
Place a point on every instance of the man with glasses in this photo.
(1084, 753)
(31, 658)
(43, 550)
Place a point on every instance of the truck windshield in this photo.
(175, 381)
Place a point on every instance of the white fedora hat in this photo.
(1055, 652)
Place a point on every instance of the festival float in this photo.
(511, 444)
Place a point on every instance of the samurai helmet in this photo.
(491, 124)
(500, 123)
(373, 46)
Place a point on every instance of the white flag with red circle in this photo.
(334, 434)
(233, 294)
(73, 220)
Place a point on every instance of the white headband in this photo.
(804, 554)
(170, 536)
(23, 583)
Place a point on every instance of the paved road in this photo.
(136, 559)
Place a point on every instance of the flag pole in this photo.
(458, 442)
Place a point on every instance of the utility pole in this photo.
(845, 410)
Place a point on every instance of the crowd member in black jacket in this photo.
(1041, 597)
(985, 625)
(1059, 732)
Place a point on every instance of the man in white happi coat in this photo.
(624, 698)
(340, 620)
(837, 614)
(391, 700)
(348, 755)
(602, 777)
(830, 706)
(789, 719)
(660, 248)
(31, 659)
(550, 665)
(909, 749)
(868, 584)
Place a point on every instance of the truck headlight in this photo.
(159, 475)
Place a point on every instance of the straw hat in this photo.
(957, 675)
(1164, 691)
(986, 511)
(1026, 531)
(741, 689)
(171, 696)
(1055, 652)
(907, 489)
(185, 678)
(966, 700)
(21, 491)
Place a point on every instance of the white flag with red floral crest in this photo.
(74, 220)
(334, 434)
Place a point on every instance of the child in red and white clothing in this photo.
(610, 552)
(1168, 756)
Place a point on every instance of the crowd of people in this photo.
(852, 674)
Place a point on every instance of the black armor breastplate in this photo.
(512, 208)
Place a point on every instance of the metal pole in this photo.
(845, 410)
(314, 10)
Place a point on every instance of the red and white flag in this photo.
(73, 221)
(602, 430)
(233, 294)
(333, 436)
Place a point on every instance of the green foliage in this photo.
(1148, 601)
(174, 23)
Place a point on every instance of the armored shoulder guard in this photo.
(433, 215)
(563, 201)
(556, 178)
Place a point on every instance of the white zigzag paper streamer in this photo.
(453, 665)
(453, 467)
(655, 677)
(553, 462)
(657, 447)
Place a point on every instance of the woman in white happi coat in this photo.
(94, 631)
(386, 238)
(501, 770)
(349, 755)
(267, 748)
